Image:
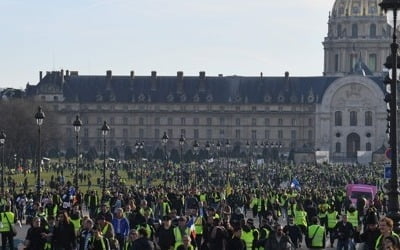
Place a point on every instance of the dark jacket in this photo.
(284, 243)
(143, 244)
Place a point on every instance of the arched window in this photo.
(338, 147)
(368, 118)
(372, 30)
(353, 118)
(338, 118)
(354, 30)
(339, 30)
(368, 146)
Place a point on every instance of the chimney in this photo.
(109, 73)
(179, 84)
(62, 75)
(153, 80)
(287, 74)
(202, 84)
(40, 75)
(67, 73)
(220, 75)
(132, 74)
(261, 74)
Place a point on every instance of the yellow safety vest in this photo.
(76, 223)
(178, 236)
(248, 238)
(353, 218)
(6, 224)
(332, 219)
(198, 225)
(300, 217)
(378, 241)
(318, 239)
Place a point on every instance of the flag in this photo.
(228, 189)
(295, 184)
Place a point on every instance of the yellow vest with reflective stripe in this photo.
(353, 218)
(248, 238)
(6, 225)
(178, 236)
(300, 217)
(332, 219)
(76, 223)
(198, 225)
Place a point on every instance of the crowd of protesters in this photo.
(204, 206)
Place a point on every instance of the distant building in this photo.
(341, 112)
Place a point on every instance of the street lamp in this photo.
(392, 8)
(164, 141)
(208, 148)
(248, 163)
(104, 131)
(77, 127)
(218, 146)
(181, 143)
(139, 148)
(227, 146)
(196, 147)
(2, 142)
(39, 116)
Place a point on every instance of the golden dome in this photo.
(356, 8)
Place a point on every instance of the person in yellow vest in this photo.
(180, 231)
(386, 229)
(278, 240)
(107, 231)
(7, 227)
(99, 241)
(199, 223)
(76, 218)
(133, 235)
(332, 219)
(315, 237)
(186, 244)
(249, 234)
(300, 217)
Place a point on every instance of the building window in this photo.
(125, 133)
(141, 121)
(254, 108)
(141, 133)
(338, 147)
(372, 62)
(85, 132)
(354, 30)
(266, 122)
(156, 133)
(310, 135)
(266, 134)
(254, 135)
(196, 121)
(338, 118)
(294, 122)
(368, 118)
(112, 132)
(280, 135)
(170, 133)
(237, 108)
(237, 121)
(209, 134)
(293, 135)
(69, 132)
(209, 121)
(99, 120)
(310, 122)
(222, 121)
(112, 120)
(196, 134)
(221, 134)
(237, 134)
(183, 133)
(353, 118)
(336, 63)
(169, 121)
(55, 98)
(339, 30)
(125, 120)
(353, 61)
(372, 30)
(280, 122)
(368, 146)
(253, 122)
(157, 121)
(183, 121)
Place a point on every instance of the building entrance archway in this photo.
(353, 145)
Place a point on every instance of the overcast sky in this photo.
(229, 37)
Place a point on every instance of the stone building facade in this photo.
(341, 112)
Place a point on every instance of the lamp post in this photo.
(196, 147)
(164, 141)
(208, 148)
(248, 161)
(218, 146)
(227, 146)
(181, 143)
(2, 144)
(104, 131)
(39, 116)
(139, 148)
(392, 8)
(77, 127)
(137, 161)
